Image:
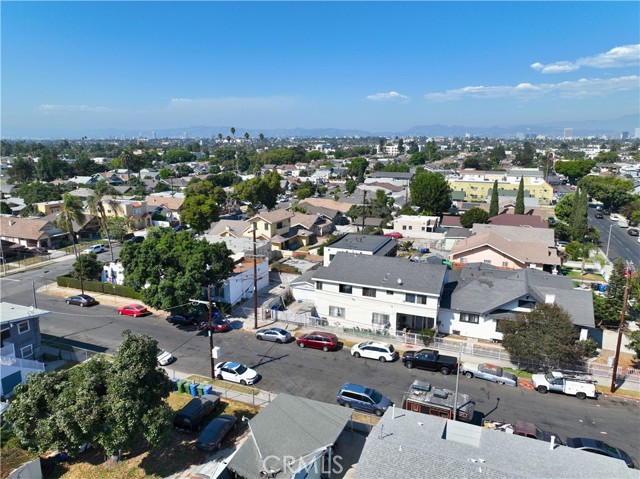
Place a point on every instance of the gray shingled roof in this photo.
(384, 272)
(356, 242)
(289, 426)
(413, 445)
(481, 288)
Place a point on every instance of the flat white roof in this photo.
(10, 312)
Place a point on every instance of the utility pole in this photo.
(213, 365)
(364, 209)
(628, 273)
(255, 279)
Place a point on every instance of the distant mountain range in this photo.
(613, 128)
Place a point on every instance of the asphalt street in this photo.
(621, 245)
(318, 375)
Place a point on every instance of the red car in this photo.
(134, 310)
(217, 325)
(394, 234)
(318, 340)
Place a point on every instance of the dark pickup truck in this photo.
(430, 359)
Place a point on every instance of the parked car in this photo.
(430, 359)
(212, 435)
(599, 215)
(606, 211)
(277, 335)
(363, 398)
(623, 224)
(165, 357)
(318, 340)
(96, 248)
(394, 234)
(181, 320)
(616, 217)
(39, 250)
(195, 412)
(219, 325)
(379, 351)
(134, 310)
(136, 239)
(81, 300)
(633, 232)
(523, 428)
(236, 372)
(489, 372)
(598, 447)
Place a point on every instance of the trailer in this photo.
(422, 397)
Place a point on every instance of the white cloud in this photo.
(229, 103)
(390, 96)
(623, 56)
(568, 89)
(51, 107)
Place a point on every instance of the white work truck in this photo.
(580, 386)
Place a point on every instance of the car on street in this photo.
(490, 372)
(235, 372)
(318, 340)
(212, 435)
(81, 300)
(96, 248)
(633, 232)
(218, 325)
(136, 239)
(363, 398)
(377, 350)
(39, 250)
(623, 224)
(599, 215)
(277, 335)
(599, 447)
(431, 360)
(181, 320)
(134, 310)
(394, 234)
(165, 357)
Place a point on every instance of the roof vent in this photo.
(440, 393)
(399, 280)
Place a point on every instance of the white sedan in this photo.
(165, 357)
(382, 352)
(236, 372)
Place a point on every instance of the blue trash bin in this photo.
(193, 388)
(174, 384)
(207, 389)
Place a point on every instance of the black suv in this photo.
(430, 359)
(191, 417)
(182, 320)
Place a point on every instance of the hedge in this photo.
(99, 287)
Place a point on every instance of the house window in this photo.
(469, 318)
(331, 256)
(404, 227)
(279, 225)
(421, 299)
(336, 312)
(369, 292)
(266, 225)
(23, 327)
(389, 293)
(505, 264)
(318, 285)
(410, 298)
(346, 288)
(424, 229)
(26, 352)
(378, 318)
(410, 227)
(487, 261)
(137, 211)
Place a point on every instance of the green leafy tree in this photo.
(87, 266)
(183, 170)
(526, 156)
(5, 209)
(397, 168)
(178, 156)
(574, 170)
(303, 193)
(543, 337)
(473, 216)
(116, 228)
(21, 171)
(564, 207)
(166, 173)
(199, 211)
(579, 223)
(249, 190)
(85, 166)
(48, 169)
(270, 189)
(494, 207)
(169, 268)
(160, 187)
(519, 210)
(357, 167)
(71, 211)
(37, 192)
(634, 342)
(350, 186)
(498, 154)
(431, 192)
(613, 192)
(562, 232)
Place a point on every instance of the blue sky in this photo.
(373, 66)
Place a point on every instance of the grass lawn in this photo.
(519, 373)
(145, 462)
(223, 384)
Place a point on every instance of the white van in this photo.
(623, 224)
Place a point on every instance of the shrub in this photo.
(99, 287)
(426, 335)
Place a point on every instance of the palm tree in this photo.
(220, 136)
(261, 136)
(246, 136)
(233, 132)
(97, 208)
(584, 250)
(71, 211)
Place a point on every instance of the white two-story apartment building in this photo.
(378, 292)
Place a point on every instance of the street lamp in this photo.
(608, 241)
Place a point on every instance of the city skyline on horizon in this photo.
(323, 65)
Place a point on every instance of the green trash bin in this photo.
(181, 384)
(199, 389)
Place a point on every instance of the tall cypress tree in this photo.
(493, 208)
(579, 224)
(520, 198)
